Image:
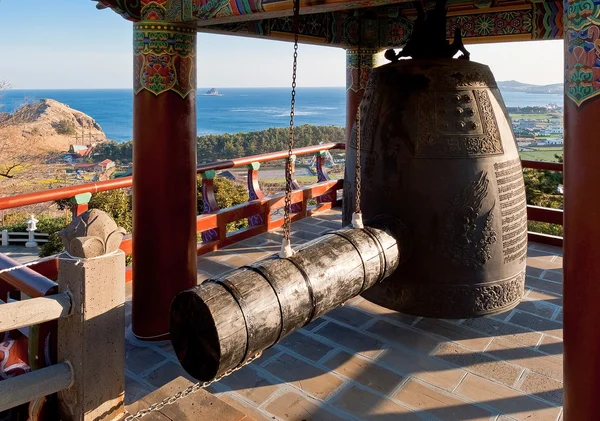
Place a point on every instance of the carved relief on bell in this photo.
(438, 152)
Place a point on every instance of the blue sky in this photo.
(65, 44)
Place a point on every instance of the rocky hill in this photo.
(514, 86)
(48, 126)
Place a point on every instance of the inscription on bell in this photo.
(511, 192)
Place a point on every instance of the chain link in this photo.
(357, 169)
(288, 164)
(187, 391)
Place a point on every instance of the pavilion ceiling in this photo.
(384, 23)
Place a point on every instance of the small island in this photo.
(212, 92)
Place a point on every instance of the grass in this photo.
(534, 116)
(541, 155)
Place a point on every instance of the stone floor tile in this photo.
(306, 346)
(539, 324)
(249, 383)
(557, 251)
(307, 377)
(455, 333)
(404, 336)
(534, 272)
(368, 406)
(537, 307)
(303, 235)
(315, 324)
(139, 359)
(366, 305)
(546, 262)
(365, 372)
(291, 406)
(432, 370)
(239, 260)
(349, 315)
(546, 297)
(543, 387)
(134, 390)
(542, 285)
(245, 408)
(559, 317)
(335, 217)
(310, 226)
(166, 373)
(252, 252)
(551, 345)
(553, 275)
(350, 338)
(215, 269)
(526, 357)
(506, 400)
(330, 225)
(479, 363)
(440, 404)
(494, 327)
(273, 236)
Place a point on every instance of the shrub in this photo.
(227, 194)
(116, 203)
(66, 127)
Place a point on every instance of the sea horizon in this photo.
(235, 110)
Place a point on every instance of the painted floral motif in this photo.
(485, 25)
(582, 39)
(491, 24)
(164, 58)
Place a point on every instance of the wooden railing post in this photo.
(254, 193)
(331, 196)
(209, 203)
(79, 203)
(92, 338)
(296, 207)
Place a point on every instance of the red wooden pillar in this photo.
(355, 88)
(582, 213)
(164, 177)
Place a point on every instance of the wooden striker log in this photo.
(221, 323)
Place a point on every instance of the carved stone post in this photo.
(92, 338)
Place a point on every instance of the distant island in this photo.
(514, 86)
(212, 92)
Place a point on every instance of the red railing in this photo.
(541, 214)
(259, 209)
(213, 220)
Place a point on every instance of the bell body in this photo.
(438, 152)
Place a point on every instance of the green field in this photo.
(534, 116)
(542, 154)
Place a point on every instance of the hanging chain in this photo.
(357, 170)
(357, 215)
(288, 164)
(185, 392)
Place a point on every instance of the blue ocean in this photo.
(235, 110)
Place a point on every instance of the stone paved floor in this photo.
(21, 254)
(364, 362)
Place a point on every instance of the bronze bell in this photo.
(438, 152)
